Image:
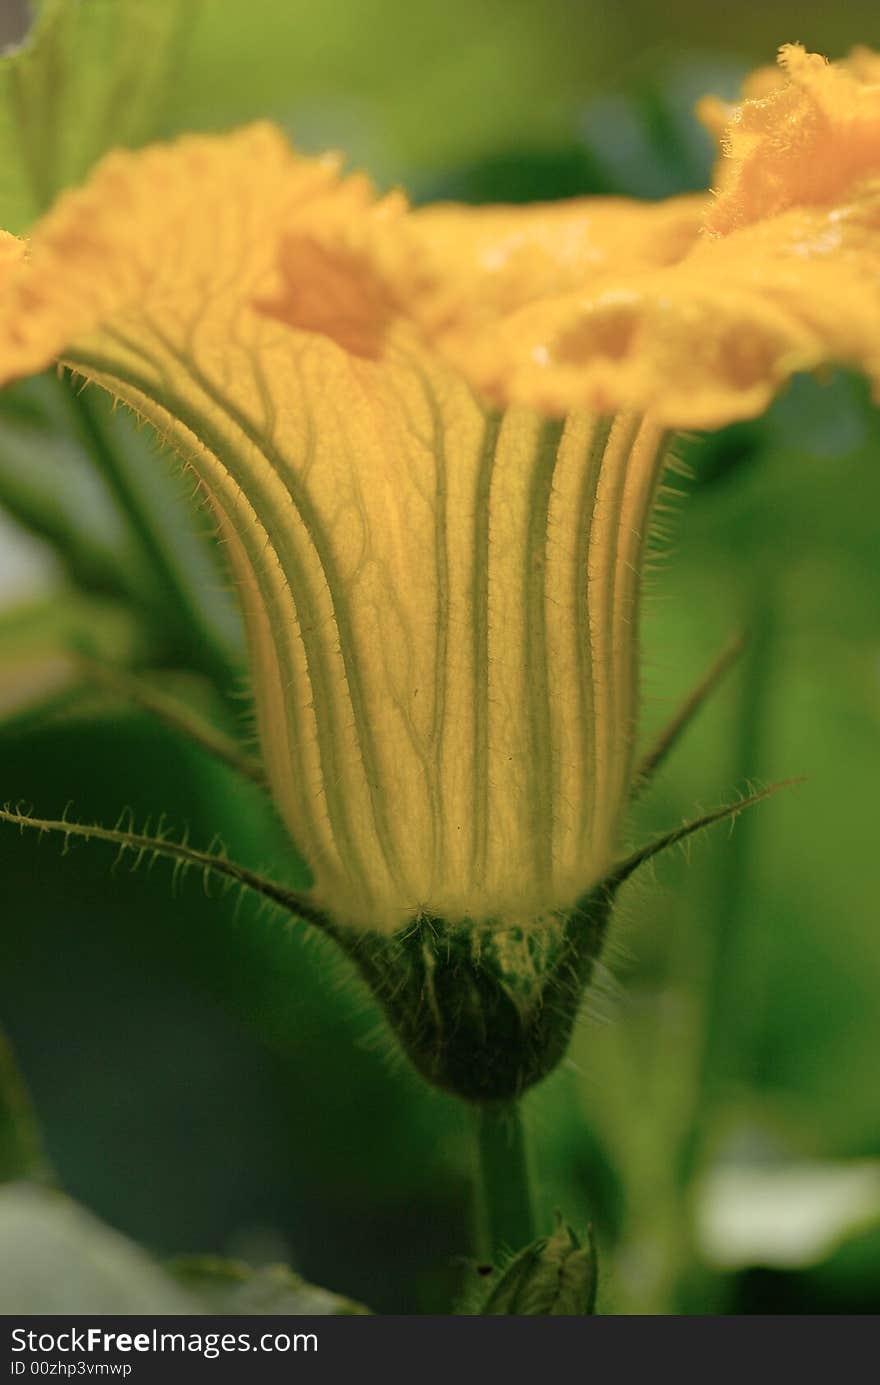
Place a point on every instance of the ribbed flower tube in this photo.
(441, 606)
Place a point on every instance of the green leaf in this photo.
(176, 713)
(56, 1257)
(90, 74)
(188, 604)
(40, 644)
(50, 487)
(228, 1286)
(80, 492)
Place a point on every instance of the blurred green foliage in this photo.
(209, 1080)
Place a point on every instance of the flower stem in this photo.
(504, 1198)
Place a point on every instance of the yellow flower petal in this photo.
(807, 143)
(716, 114)
(704, 324)
(709, 340)
(331, 268)
(11, 254)
(440, 601)
(476, 264)
(862, 66)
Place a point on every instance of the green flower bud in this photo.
(555, 1276)
(483, 1011)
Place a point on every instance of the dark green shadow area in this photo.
(208, 1077)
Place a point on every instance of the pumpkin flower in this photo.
(431, 441)
(439, 594)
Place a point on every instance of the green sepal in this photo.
(484, 1010)
(655, 757)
